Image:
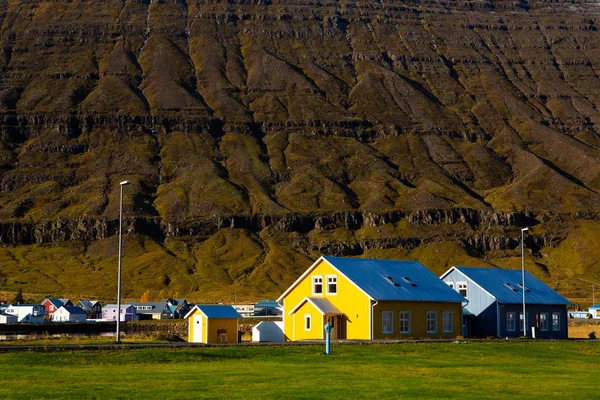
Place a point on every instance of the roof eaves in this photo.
(300, 279)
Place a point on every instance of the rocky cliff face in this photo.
(261, 134)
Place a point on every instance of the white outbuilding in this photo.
(268, 331)
(70, 314)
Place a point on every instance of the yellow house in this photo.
(367, 299)
(212, 324)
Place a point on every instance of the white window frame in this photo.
(513, 321)
(447, 319)
(544, 322)
(431, 317)
(387, 322)
(523, 323)
(451, 284)
(315, 283)
(307, 322)
(460, 286)
(334, 282)
(404, 316)
(557, 320)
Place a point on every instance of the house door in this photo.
(198, 328)
(334, 321)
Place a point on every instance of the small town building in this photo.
(265, 308)
(92, 308)
(66, 302)
(245, 310)
(179, 307)
(213, 323)
(152, 310)
(51, 305)
(495, 305)
(109, 313)
(369, 299)
(594, 311)
(69, 314)
(7, 318)
(29, 313)
(268, 331)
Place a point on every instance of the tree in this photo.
(19, 297)
(145, 297)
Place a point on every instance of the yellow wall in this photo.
(211, 327)
(316, 329)
(418, 312)
(349, 300)
(229, 324)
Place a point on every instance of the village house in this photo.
(594, 311)
(179, 307)
(245, 310)
(29, 313)
(109, 313)
(370, 299)
(51, 305)
(92, 308)
(152, 310)
(69, 314)
(495, 305)
(213, 323)
(7, 318)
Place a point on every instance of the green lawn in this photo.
(433, 370)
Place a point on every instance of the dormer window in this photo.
(331, 284)
(317, 284)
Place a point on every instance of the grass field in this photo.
(431, 370)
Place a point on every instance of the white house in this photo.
(7, 318)
(30, 313)
(245, 310)
(70, 314)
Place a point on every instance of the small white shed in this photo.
(268, 331)
(8, 319)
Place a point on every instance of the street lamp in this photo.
(523, 278)
(119, 270)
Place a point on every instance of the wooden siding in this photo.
(349, 300)
(211, 327)
(418, 312)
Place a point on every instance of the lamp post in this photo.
(119, 269)
(523, 278)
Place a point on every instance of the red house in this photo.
(51, 305)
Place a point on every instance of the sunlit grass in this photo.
(433, 370)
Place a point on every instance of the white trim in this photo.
(400, 331)
(308, 317)
(444, 313)
(390, 313)
(469, 279)
(313, 285)
(310, 269)
(514, 313)
(336, 284)
(427, 314)
(308, 299)
(547, 320)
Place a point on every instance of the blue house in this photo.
(495, 305)
(594, 311)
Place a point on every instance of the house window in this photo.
(431, 321)
(404, 318)
(544, 321)
(317, 284)
(451, 284)
(332, 284)
(555, 321)
(307, 322)
(521, 320)
(461, 287)
(510, 321)
(447, 321)
(387, 322)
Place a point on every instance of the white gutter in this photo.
(372, 320)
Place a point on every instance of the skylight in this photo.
(391, 281)
(521, 286)
(407, 280)
(511, 287)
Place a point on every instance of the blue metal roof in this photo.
(395, 280)
(218, 311)
(74, 310)
(504, 285)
